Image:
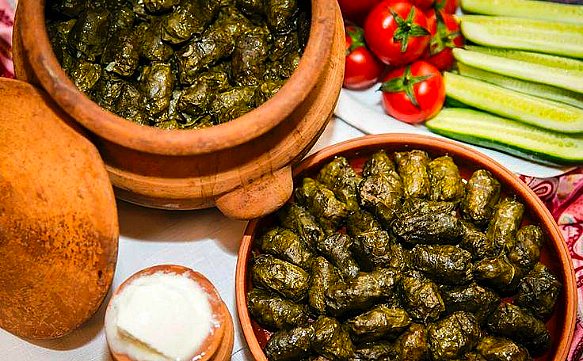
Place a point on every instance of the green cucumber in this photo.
(542, 10)
(523, 86)
(566, 78)
(558, 62)
(526, 34)
(508, 136)
(508, 103)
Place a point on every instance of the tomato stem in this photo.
(405, 83)
(406, 29)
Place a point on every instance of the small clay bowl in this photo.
(554, 255)
(218, 345)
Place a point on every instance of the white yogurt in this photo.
(159, 317)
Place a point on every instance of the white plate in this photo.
(363, 110)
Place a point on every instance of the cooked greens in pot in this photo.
(404, 262)
(163, 47)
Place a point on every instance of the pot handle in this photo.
(258, 198)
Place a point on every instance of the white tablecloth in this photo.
(203, 240)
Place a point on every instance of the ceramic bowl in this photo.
(226, 165)
(554, 254)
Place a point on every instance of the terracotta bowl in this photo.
(218, 346)
(555, 253)
(230, 165)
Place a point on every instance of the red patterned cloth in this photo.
(562, 195)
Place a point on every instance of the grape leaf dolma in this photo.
(339, 176)
(381, 190)
(372, 246)
(89, 35)
(323, 276)
(298, 219)
(412, 167)
(454, 335)
(482, 195)
(381, 322)
(321, 202)
(157, 84)
(505, 222)
(413, 344)
(232, 103)
(195, 100)
(538, 292)
(476, 242)
(473, 298)
(361, 292)
(121, 55)
(282, 277)
(190, 18)
(518, 325)
(502, 349)
(249, 56)
(85, 74)
(446, 182)
(444, 264)
(151, 45)
(286, 245)
(498, 273)
(280, 14)
(274, 312)
(331, 340)
(526, 252)
(59, 35)
(427, 228)
(374, 351)
(292, 345)
(421, 297)
(336, 248)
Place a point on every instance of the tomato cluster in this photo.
(405, 44)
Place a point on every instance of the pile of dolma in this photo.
(403, 261)
(178, 64)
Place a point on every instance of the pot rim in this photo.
(150, 139)
(566, 332)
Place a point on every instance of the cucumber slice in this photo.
(508, 103)
(542, 10)
(565, 78)
(523, 86)
(526, 34)
(508, 136)
(554, 61)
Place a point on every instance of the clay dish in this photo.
(218, 345)
(58, 219)
(554, 255)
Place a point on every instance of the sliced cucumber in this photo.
(508, 136)
(508, 103)
(526, 34)
(566, 78)
(558, 62)
(523, 86)
(542, 10)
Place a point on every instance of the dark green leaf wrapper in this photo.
(526, 251)
(336, 248)
(292, 345)
(412, 167)
(381, 322)
(323, 276)
(482, 195)
(413, 344)
(538, 292)
(274, 312)
(476, 242)
(331, 340)
(446, 182)
(472, 298)
(498, 273)
(421, 297)
(505, 222)
(299, 220)
(518, 325)
(374, 351)
(502, 349)
(339, 176)
(454, 335)
(286, 245)
(279, 276)
(444, 264)
(321, 202)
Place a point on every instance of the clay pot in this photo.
(242, 167)
(218, 345)
(554, 255)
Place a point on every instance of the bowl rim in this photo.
(36, 44)
(413, 141)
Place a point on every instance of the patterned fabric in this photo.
(562, 195)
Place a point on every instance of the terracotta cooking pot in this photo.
(554, 254)
(242, 167)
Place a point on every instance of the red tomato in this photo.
(423, 4)
(445, 35)
(363, 69)
(413, 93)
(396, 32)
(447, 6)
(356, 10)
